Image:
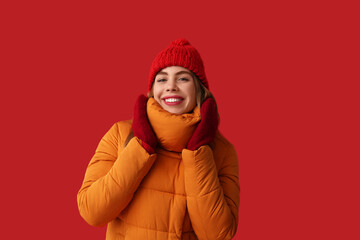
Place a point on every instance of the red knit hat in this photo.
(179, 53)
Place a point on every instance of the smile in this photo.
(173, 100)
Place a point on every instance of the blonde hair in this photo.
(202, 93)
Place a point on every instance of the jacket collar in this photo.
(173, 131)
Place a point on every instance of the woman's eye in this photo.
(161, 80)
(183, 79)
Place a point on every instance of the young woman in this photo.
(168, 173)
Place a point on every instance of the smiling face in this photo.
(174, 90)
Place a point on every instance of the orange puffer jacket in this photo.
(172, 194)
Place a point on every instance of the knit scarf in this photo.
(173, 131)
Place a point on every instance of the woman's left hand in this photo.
(208, 126)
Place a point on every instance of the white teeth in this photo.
(172, 100)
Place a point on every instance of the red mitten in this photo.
(141, 126)
(206, 130)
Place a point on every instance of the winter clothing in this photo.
(173, 131)
(179, 53)
(140, 125)
(175, 193)
(206, 131)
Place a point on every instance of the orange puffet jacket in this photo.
(172, 194)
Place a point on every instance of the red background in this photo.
(284, 74)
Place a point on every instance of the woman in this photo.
(168, 173)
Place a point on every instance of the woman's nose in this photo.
(171, 86)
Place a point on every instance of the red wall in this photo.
(283, 74)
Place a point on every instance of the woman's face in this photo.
(174, 90)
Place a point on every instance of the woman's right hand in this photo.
(141, 126)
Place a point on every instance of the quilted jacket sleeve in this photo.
(212, 195)
(112, 177)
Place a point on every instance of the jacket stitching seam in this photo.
(148, 228)
(171, 193)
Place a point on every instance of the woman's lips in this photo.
(173, 100)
